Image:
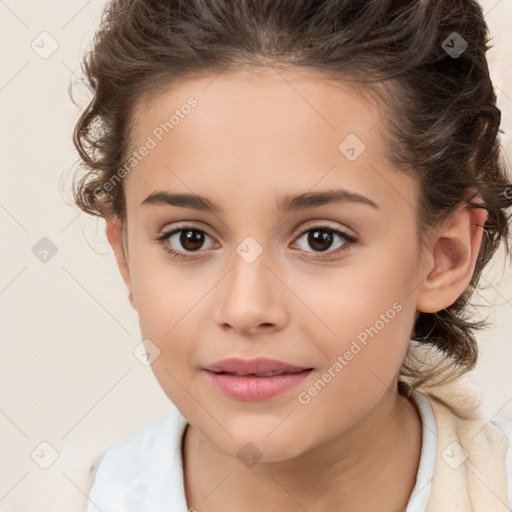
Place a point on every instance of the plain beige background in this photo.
(69, 378)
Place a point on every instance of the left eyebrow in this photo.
(315, 199)
(286, 204)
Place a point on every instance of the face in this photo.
(321, 282)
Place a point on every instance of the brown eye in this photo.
(320, 239)
(191, 239)
(323, 238)
(183, 242)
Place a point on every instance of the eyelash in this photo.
(161, 238)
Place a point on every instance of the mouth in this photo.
(255, 380)
(266, 374)
(260, 366)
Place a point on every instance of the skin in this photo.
(254, 137)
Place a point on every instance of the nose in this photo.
(252, 299)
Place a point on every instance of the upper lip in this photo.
(259, 365)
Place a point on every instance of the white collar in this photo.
(145, 471)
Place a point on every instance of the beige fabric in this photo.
(470, 466)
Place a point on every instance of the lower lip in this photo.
(253, 389)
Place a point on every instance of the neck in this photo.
(371, 466)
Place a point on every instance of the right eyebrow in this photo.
(195, 202)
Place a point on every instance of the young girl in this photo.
(301, 196)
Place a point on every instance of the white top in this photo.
(145, 472)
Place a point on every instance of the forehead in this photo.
(260, 132)
(260, 98)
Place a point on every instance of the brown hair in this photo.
(440, 119)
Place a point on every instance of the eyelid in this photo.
(319, 224)
(171, 231)
(166, 233)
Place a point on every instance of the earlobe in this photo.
(114, 235)
(453, 259)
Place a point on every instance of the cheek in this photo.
(169, 306)
(367, 316)
(362, 361)
(168, 310)
(166, 294)
(351, 302)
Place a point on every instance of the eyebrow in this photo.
(284, 205)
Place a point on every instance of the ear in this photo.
(115, 239)
(452, 258)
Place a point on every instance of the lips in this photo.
(260, 367)
(255, 380)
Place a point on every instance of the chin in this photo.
(259, 448)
